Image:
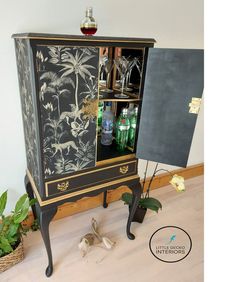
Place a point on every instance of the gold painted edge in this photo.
(109, 179)
(97, 110)
(70, 195)
(34, 187)
(117, 159)
(120, 100)
(81, 39)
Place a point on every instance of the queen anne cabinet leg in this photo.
(45, 217)
(136, 192)
(29, 191)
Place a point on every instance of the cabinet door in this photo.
(67, 79)
(174, 81)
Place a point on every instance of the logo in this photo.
(170, 244)
(172, 239)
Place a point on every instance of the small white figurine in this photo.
(88, 240)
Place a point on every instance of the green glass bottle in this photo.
(132, 130)
(122, 130)
(100, 114)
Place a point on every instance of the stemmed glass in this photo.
(121, 64)
(138, 64)
(130, 67)
(107, 67)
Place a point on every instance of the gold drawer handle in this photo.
(124, 169)
(63, 186)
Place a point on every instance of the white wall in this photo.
(173, 23)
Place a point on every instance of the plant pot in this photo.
(12, 258)
(139, 214)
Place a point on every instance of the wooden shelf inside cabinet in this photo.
(111, 97)
(109, 152)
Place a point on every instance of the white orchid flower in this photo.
(177, 182)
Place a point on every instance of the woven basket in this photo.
(13, 258)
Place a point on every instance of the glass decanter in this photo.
(88, 25)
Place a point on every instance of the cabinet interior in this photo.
(110, 78)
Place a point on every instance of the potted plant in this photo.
(147, 202)
(11, 231)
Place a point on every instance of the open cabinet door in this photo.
(173, 84)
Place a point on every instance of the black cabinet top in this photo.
(100, 39)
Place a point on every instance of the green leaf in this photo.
(3, 201)
(7, 220)
(127, 198)
(20, 202)
(32, 202)
(22, 213)
(12, 240)
(13, 229)
(150, 202)
(5, 245)
(154, 208)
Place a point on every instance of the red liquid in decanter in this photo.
(89, 30)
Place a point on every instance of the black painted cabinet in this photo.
(62, 82)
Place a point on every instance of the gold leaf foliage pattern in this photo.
(68, 93)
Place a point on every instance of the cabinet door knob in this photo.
(63, 186)
(124, 169)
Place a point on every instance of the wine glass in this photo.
(107, 68)
(121, 64)
(138, 65)
(130, 66)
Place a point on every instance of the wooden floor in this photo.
(129, 260)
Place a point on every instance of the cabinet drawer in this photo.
(90, 178)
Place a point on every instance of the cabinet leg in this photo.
(45, 218)
(105, 204)
(136, 192)
(29, 191)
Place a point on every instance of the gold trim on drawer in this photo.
(124, 169)
(70, 195)
(90, 172)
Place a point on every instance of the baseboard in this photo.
(88, 203)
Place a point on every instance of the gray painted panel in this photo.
(173, 77)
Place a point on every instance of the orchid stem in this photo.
(150, 182)
(154, 174)
(145, 173)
